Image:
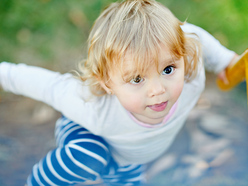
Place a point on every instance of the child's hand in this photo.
(222, 74)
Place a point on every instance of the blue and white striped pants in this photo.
(81, 157)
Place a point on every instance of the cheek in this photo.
(178, 90)
(132, 103)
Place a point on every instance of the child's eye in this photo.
(168, 70)
(138, 79)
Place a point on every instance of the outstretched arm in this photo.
(63, 92)
(216, 57)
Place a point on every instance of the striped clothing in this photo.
(80, 157)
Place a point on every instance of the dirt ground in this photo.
(211, 150)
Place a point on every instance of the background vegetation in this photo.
(53, 33)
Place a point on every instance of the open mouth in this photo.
(158, 107)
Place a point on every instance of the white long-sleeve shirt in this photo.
(105, 116)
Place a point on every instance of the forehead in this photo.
(154, 58)
(132, 65)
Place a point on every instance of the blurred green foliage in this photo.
(50, 31)
(227, 20)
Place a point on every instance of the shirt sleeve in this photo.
(216, 57)
(63, 92)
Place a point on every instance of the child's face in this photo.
(149, 99)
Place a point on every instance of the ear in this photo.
(105, 87)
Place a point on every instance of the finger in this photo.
(223, 77)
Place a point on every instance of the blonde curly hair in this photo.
(139, 27)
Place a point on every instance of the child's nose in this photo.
(156, 88)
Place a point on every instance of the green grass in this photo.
(47, 32)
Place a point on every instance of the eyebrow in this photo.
(167, 62)
(127, 75)
(164, 62)
(171, 61)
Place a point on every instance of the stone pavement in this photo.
(211, 149)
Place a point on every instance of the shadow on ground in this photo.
(211, 149)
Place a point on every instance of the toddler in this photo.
(142, 76)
